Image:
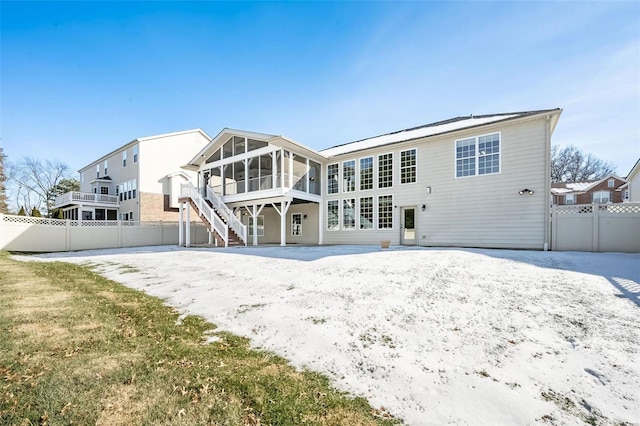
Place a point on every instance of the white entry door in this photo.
(408, 225)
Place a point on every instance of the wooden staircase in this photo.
(208, 210)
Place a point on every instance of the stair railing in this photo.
(225, 212)
(188, 190)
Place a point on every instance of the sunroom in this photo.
(259, 177)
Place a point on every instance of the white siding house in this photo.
(475, 181)
(137, 181)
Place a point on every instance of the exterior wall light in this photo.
(428, 190)
(424, 207)
(526, 191)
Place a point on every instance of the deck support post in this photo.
(188, 227)
(181, 225)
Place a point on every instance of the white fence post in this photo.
(67, 235)
(554, 227)
(1, 231)
(595, 229)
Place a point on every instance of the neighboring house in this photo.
(630, 191)
(475, 181)
(601, 191)
(139, 181)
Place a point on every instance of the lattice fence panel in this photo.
(619, 208)
(33, 220)
(574, 209)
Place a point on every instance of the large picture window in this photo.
(602, 197)
(349, 176)
(408, 166)
(349, 213)
(478, 155)
(366, 173)
(332, 179)
(333, 215)
(366, 213)
(385, 212)
(385, 170)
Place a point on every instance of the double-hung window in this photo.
(570, 199)
(333, 215)
(408, 166)
(366, 173)
(124, 158)
(332, 179)
(385, 212)
(601, 197)
(366, 213)
(385, 170)
(349, 213)
(478, 155)
(349, 176)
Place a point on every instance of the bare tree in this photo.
(569, 164)
(4, 208)
(33, 181)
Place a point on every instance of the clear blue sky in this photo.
(81, 79)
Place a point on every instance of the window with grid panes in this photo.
(366, 213)
(408, 166)
(349, 213)
(366, 173)
(349, 176)
(385, 170)
(332, 179)
(333, 215)
(385, 212)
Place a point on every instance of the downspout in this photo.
(547, 183)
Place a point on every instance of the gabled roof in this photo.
(226, 133)
(634, 170)
(146, 138)
(433, 129)
(560, 188)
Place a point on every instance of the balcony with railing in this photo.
(87, 198)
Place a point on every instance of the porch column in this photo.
(79, 214)
(254, 215)
(188, 228)
(320, 223)
(290, 170)
(283, 222)
(181, 225)
(274, 170)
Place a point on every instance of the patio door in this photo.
(408, 225)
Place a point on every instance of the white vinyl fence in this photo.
(596, 227)
(35, 234)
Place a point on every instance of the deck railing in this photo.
(188, 190)
(236, 224)
(74, 197)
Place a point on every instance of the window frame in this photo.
(378, 213)
(293, 234)
(378, 168)
(328, 216)
(135, 153)
(345, 188)
(250, 226)
(476, 156)
(124, 158)
(573, 199)
(373, 214)
(415, 166)
(337, 181)
(593, 197)
(373, 173)
(344, 216)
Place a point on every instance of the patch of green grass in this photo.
(78, 348)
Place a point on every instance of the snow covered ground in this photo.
(435, 336)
